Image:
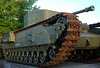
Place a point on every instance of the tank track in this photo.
(85, 55)
(67, 46)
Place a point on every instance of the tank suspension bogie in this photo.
(25, 56)
(35, 59)
(21, 56)
(14, 56)
(28, 55)
(18, 55)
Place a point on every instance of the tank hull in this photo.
(88, 41)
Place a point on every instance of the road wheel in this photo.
(52, 54)
(21, 58)
(29, 59)
(25, 58)
(42, 58)
(35, 59)
(18, 58)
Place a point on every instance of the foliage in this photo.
(12, 14)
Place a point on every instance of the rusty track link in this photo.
(71, 40)
(67, 46)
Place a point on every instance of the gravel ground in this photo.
(5, 64)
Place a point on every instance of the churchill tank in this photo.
(49, 38)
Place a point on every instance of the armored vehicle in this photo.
(49, 38)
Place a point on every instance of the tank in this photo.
(49, 38)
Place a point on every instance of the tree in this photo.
(25, 6)
(12, 14)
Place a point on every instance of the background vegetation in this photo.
(12, 14)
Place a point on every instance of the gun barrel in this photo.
(91, 8)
